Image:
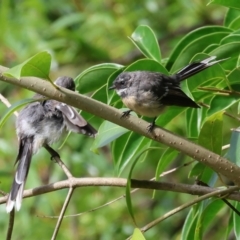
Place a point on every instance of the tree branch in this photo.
(214, 161)
(121, 182)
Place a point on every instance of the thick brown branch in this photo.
(216, 162)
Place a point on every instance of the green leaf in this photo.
(66, 21)
(195, 42)
(211, 133)
(210, 213)
(95, 77)
(210, 137)
(189, 226)
(134, 145)
(36, 66)
(227, 3)
(147, 65)
(236, 222)
(193, 122)
(169, 115)
(230, 38)
(234, 76)
(125, 148)
(235, 25)
(145, 40)
(107, 133)
(137, 235)
(128, 187)
(167, 157)
(233, 153)
(14, 108)
(230, 17)
(221, 103)
(197, 170)
(225, 51)
(229, 228)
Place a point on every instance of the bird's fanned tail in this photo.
(24, 161)
(196, 67)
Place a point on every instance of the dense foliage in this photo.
(89, 41)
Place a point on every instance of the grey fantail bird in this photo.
(40, 124)
(148, 93)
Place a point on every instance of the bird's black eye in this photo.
(122, 82)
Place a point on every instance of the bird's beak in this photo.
(112, 87)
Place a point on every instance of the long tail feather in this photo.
(24, 161)
(196, 67)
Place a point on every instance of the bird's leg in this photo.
(56, 157)
(51, 151)
(126, 113)
(151, 125)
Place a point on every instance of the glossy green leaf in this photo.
(233, 153)
(195, 42)
(230, 17)
(189, 226)
(197, 170)
(229, 39)
(129, 200)
(227, 3)
(169, 115)
(192, 122)
(234, 76)
(95, 77)
(227, 50)
(36, 66)
(236, 222)
(210, 137)
(221, 103)
(211, 133)
(209, 214)
(145, 40)
(235, 24)
(137, 235)
(107, 133)
(146, 65)
(131, 150)
(128, 187)
(125, 148)
(210, 48)
(229, 228)
(167, 157)
(14, 107)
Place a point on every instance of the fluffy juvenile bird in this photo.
(40, 124)
(148, 93)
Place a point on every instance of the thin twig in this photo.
(186, 205)
(64, 208)
(10, 224)
(225, 146)
(7, 103)
(231, 116)
(121, 197)
(58, 160)
(223, 91)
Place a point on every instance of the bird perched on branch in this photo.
(40, 124)
(148, 93)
